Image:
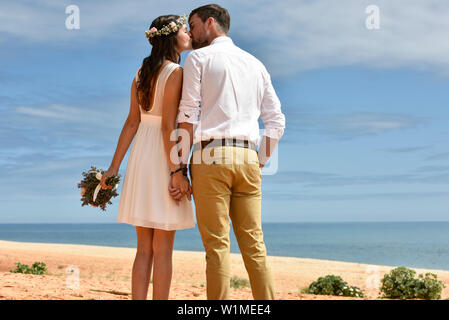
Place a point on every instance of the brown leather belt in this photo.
(225, 142)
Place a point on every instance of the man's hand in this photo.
(177, 195)
(261, 166)
(179, 181)
(180, 186)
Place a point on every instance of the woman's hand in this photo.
(109, 173)
(180, 186)
(175, 194)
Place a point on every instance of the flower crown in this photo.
(167, 29)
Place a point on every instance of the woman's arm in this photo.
(126, 136)
(172, 96)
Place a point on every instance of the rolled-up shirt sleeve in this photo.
(189, 107)
(270, 112)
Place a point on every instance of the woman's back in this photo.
(158, 97)
(145, 200)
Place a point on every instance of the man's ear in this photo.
(210, 22)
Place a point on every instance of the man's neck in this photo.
(216, 36)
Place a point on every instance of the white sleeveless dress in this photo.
(145, 200)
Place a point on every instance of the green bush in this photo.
(429, 287)
(334, 285)
(237, 282)
(36, 268)
(401, 283)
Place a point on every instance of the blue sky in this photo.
(366, 110)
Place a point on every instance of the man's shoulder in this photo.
(191, 55)
(201, 52)
(251, 57)
(255, 63)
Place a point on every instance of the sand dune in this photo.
(105, 273)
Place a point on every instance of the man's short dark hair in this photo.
(221, 15)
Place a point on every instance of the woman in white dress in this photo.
(145, 201)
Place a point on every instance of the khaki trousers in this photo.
(226, 184)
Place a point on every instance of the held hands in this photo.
(179, 186)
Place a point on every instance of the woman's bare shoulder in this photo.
(176, 75)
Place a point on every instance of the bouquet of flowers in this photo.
(91, 191)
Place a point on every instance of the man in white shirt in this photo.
(225, 91)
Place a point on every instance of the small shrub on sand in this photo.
(400, 283)
(238, 283)
(36, 268)
(335, 286)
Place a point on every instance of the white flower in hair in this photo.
(167, 29)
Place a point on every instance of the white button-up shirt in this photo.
(225, 90)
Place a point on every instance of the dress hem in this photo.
(156, 225)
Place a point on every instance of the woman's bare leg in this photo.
(162, 273)
(142, 264)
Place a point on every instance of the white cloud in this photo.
(370, 123)
(433, 169)
(41, 113)
(301, 35)
(311, 179)
(44, 21)
(351, 125)
(407, 149)
(289, 36)
(441, 156)
(69, 114)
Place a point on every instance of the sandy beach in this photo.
(104, 273)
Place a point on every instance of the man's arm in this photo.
(189, 106)
(186, 144)
(273, 119)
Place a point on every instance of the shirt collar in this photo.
(221, 39)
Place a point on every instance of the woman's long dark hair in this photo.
(164, 47)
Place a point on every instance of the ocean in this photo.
(410, 244)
